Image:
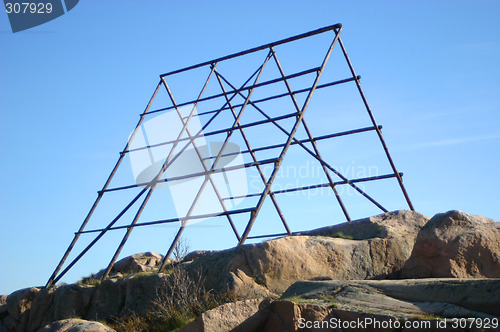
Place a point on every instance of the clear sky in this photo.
(71, 91)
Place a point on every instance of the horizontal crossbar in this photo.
(165, 221)
(250, 87)
(319, 138)
(256, 49)
(322, 185)
(193, 175)
(321, 86)
(216, 132)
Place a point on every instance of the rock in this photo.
(351, 259)
(139, 293)
(379, 248)
(198, 253)
(72, 300)
(107, 300)
(10, 323)
(458, 245)
(19, 303)
(249, 315)
(403, 299)
(142, 262)
(134, 294)
(75, 325)
(42, 309)
(326, 303)
(3, 307)
(58, 303)
(283, 317)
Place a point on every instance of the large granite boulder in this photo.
(456, 245)
(18, 308)
(137, 263)
(248, 315)
(353, 256)
(371, 248)
(368, 305)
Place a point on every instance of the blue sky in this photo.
(71, 91)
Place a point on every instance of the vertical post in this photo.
(296, 141)
(254, 158)
(151, 189)
(101, 234)
(200, 157)
(100, 193)
(221, 151)
(311, 139)
(260, 203)
(379, 132)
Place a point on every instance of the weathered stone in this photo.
(288, 316)
(284, 316)
(75, 325)
(3, 307)
(42, 309)
(20, 301)
(379, 248)
(10, 323)
(108, 300)
(456, 244)
(249, 315)
(140, 293)
(453, 245)
(404, 299)
(142, 262)
(58, 303)
(72, 301)
(198, 253)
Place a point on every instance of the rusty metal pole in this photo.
(100, 193)
(200, 157)
(289, 140)
(146, 199)
(229, 133)
(379, 133)
(301, 143)
(311, 139)
(254, 158)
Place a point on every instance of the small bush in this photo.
(180, 299)
(91, 280)
(181, 249)
(131, 323)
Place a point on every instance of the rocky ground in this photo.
(394, 267)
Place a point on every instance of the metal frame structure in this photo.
(228, 92)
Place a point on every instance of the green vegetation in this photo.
(324, 300)
(91, 280)
(142, 274)
(180, 299)
(341, 235)
(297, 299)
(260, 280)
